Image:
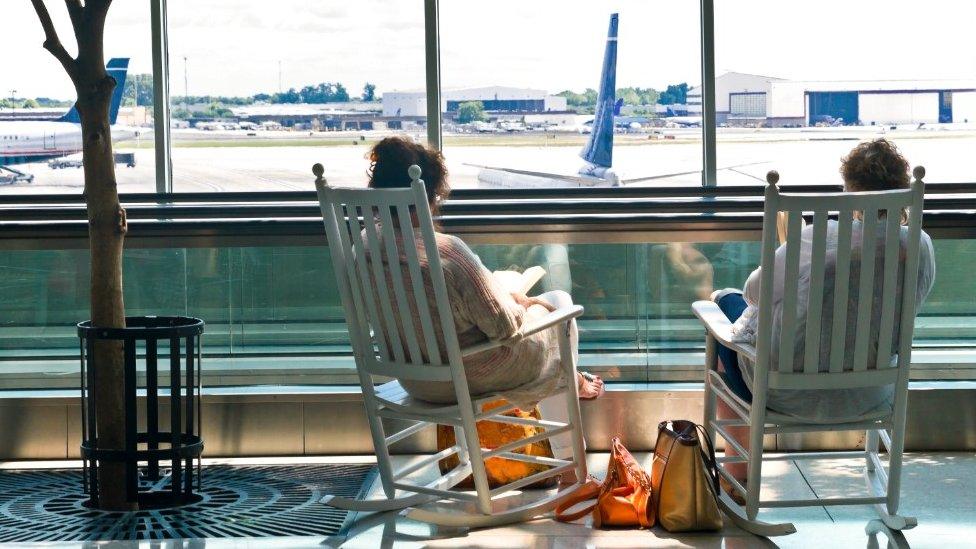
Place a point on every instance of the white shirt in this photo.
(833, 404)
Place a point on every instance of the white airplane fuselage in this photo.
(38, 141)
(501, 179)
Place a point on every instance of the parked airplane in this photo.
(684, 122)
(597, 154)
(38, 141)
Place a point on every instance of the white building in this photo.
(405, 103)
(493, 98)
(749, 99)
(739, 96)
(873, 102)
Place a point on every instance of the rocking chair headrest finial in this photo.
(319, 171)
(772, 177)
(414, 172)
(919, 172)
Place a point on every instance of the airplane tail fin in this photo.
(117, 68)
(599, 149)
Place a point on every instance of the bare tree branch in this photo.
(51, 41)
(91, 58)
(77, 12)
(99, 5)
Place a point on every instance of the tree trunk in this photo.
(106, 230)
(106, 225)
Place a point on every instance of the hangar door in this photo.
(831, 106)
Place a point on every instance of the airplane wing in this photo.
(653, 177)
(590, 180)
(667, 175)
(571, 178)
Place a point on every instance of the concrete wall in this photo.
(786, 100)
(301, 423)
(409, 103)
(555, 103)
(964, 107)
(898, 108)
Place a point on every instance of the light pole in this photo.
(186, 88)
(279, 76)
(13, 97)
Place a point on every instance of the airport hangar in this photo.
(494, 99)
(754, 100)
(400, 110)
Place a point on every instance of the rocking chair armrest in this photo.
(481, 347)
(558, 316)
(563, 314)
(720, 327)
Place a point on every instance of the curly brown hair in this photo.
(875, 166)
(392, 156)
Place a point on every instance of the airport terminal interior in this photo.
(411, 273)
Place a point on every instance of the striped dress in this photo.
(524, 372)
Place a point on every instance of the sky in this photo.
(235, 47)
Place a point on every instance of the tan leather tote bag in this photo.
(684, 478)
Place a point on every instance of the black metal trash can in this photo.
(144, 450)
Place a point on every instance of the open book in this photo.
(516, 282)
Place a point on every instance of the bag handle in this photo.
(589, 491)
(708, 455)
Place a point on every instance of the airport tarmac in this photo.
(209, 161)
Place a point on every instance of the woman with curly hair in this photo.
(871, 166)
(525, 372)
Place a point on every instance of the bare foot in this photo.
(590, 386)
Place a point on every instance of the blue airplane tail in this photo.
(117, 68)
(599, 149)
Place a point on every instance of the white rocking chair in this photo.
(845, 367)
(363, 226)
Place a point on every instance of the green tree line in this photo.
(586, 101)
(139, 92)
(35, 103)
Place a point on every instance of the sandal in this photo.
(588, 378)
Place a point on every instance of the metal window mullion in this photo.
(709, 170)
(432, 41)
(161, 114)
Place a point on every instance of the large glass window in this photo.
(522, 87)
(274, 89)
(279, 86)
(40, 134)
(834, 73)
(274, 317)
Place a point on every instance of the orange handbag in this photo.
(493, 434)
(623, 500)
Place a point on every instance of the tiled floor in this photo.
(939, 489)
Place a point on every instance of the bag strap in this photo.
(589, 491)
(708, 455)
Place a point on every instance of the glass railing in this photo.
(274, 317)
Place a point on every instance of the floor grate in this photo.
(247, 501)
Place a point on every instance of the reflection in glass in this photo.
(273, 314)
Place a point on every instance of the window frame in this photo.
(435, 135)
